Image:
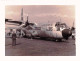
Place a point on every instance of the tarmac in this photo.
(38, 47)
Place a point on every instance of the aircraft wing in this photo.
(15, 22)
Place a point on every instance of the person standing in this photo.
(14, 38)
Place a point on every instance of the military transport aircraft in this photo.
(57, 31)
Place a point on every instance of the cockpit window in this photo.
(60, 26)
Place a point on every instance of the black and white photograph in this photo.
(40, 30)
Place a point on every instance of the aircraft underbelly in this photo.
(57, 34)
(50, 34)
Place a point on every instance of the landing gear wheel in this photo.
(59, 40)
(43, 38)
(25, 36)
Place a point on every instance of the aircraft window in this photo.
(58, 26)
(61, 26)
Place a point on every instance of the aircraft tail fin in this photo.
(22, 15)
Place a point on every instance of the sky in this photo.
(42, 13)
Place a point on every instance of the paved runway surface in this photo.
(37, 47)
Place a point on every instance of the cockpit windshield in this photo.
(59, 26)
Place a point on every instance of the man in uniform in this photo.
(14, 38)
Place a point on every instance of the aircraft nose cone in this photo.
(66, 33)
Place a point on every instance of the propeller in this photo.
(27, 22)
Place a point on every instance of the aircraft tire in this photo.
(24, 36)
(43, 38)
(32, 37)
(58, 40)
